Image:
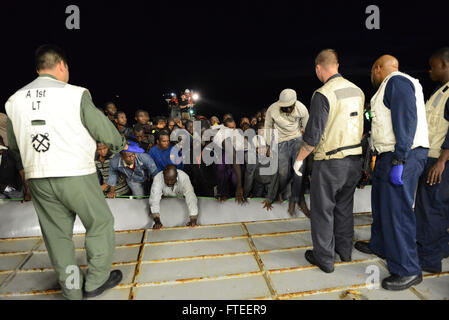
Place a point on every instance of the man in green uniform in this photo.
(54, 126)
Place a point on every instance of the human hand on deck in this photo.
(192, 222)
(157, 223)
(267, 205)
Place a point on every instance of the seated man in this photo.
(243, 121)
(144, 141)
(12, 177)
(102, 160)
(170, 125)
(214, 120)
(110, 110)
(163, 153)
(138, 168)
(121, 124)
(142, 118)
(226, 116)
(172, 183)
(160, 123)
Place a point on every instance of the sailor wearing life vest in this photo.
(334, 133)
(53, 126)
(400, 138)
(432, 197)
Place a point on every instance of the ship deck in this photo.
(242, 260)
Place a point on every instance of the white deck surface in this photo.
(242, 260)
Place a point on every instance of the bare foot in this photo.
(303, 206)
(291, 208)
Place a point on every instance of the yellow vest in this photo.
(382, 134)
(344, 128)
(438, 125)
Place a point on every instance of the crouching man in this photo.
(172, 182)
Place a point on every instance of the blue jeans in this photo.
(287, 153)
(393, 231)
(137, 188)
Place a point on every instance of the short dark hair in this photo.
(140, 111)
(205, 124)
(108, 103)
(101, 143)
(48, 56)
(228, 120)
(162, 133)
(442, 53)
(159, 118)
(260, 125)
(119, 112)
(138, 128)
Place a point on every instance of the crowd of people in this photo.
(398, 141)
(132, 173)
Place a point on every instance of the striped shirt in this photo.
(121, 187)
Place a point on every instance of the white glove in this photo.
(9, 189)
(297, 166)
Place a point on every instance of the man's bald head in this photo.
(382, 67)
(326, 64)
(170, 175)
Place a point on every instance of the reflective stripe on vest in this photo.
(344, 128)
(438, 125)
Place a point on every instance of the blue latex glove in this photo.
(134, 148)
(396, 175)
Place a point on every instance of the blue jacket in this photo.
(400, 99)
(164, 157)
(145, 167)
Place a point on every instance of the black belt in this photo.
(329, 153)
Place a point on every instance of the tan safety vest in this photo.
(52, 140)
(344, 129)
(438, 125)
(382, 134)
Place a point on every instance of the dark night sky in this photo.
(239, 56)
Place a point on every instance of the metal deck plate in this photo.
(220, 289)
(244, 260)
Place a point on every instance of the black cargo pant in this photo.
(331, 207)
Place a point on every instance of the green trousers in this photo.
(57, 202)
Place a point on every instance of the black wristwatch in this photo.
(396, 162)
